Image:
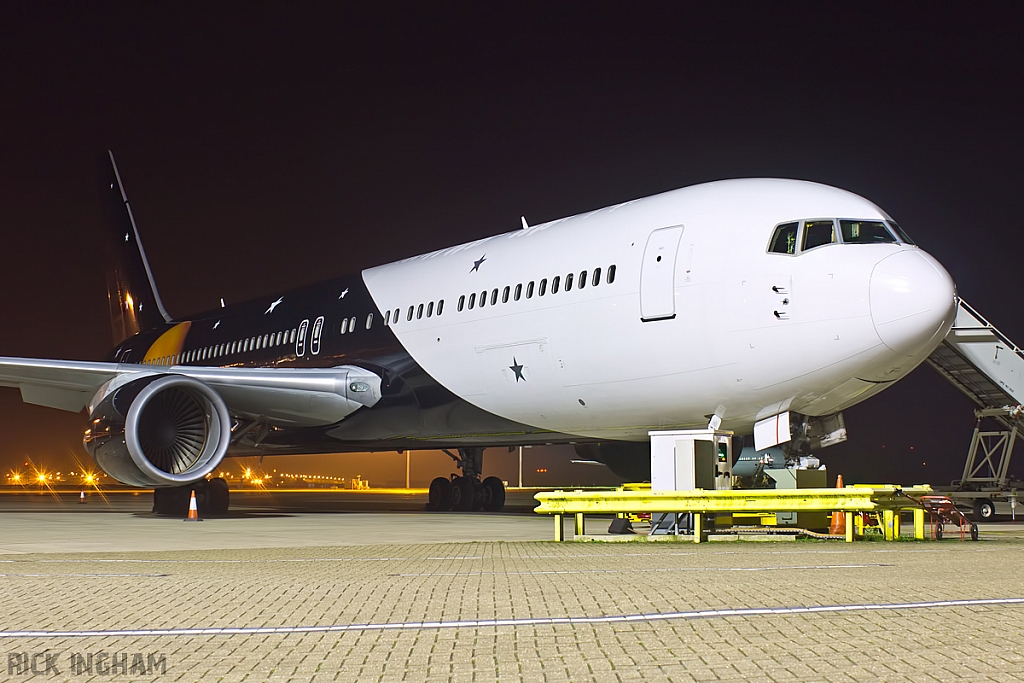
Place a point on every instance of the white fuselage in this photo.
(700, 317)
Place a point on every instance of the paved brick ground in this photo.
(411, 583)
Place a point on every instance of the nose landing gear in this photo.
(466, 492)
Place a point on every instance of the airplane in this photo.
(764, 305)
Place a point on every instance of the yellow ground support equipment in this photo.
(888, 500)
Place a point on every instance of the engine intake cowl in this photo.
(162, 430)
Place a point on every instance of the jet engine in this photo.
(158, 431)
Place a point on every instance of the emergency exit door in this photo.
(657, 274)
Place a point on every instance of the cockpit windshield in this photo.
(865, 232)
(819, 232)
(784, 240)
(904, 237)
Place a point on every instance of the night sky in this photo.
(273, 147)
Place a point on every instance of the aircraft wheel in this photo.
(218, 497)
(463, 494)
(440, 495)
(974, 532)
(493, 494)
(984, 510)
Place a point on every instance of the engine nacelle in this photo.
(159, 431)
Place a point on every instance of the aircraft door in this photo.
(314, 343)
(657, 274)
(300, 341)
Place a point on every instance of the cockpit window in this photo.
(904, 237)
(818, 233)
(784, 239)
(865, 232)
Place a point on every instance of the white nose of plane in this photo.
(912, 301)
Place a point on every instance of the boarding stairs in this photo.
(988, 368)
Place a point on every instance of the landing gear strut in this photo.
(212, 498)
(466, 492)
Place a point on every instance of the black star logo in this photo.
(518, 369)
(479, 262)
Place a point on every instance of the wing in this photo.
(64, 384)
(287, 396)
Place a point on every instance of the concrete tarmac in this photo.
(288, 595)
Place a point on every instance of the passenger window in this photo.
(419, 311)
(784, 239)
(583, 280)
(611, 274)
(529, 289)
(462, 303)
(344, 326)
(483, 298)
(542, 287)
(504, 294)
(352, 324)
(554, 284)
(865, 232)
(387, 317)
(597, 277)
(409, 315)
(430, 309)
(369, 320)
(494, 296)
(519, 292)
(440, 306)
(568, 282)
(818, 233)
(294, 334)
(472, 300)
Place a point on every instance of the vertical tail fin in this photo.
(134, 301)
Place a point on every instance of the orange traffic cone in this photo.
(838, 527)
(193, 511)
(81, 498)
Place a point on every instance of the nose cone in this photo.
(912, 302)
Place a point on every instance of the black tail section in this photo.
(135, 304)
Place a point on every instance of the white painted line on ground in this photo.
(297, 559)
(536, 621)
(658, 569)
(82, 576)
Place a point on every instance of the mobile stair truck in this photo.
(988, 368)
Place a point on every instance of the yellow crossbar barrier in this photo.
(887, 499)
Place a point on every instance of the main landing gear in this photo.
(466, 492)
(212, 498)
